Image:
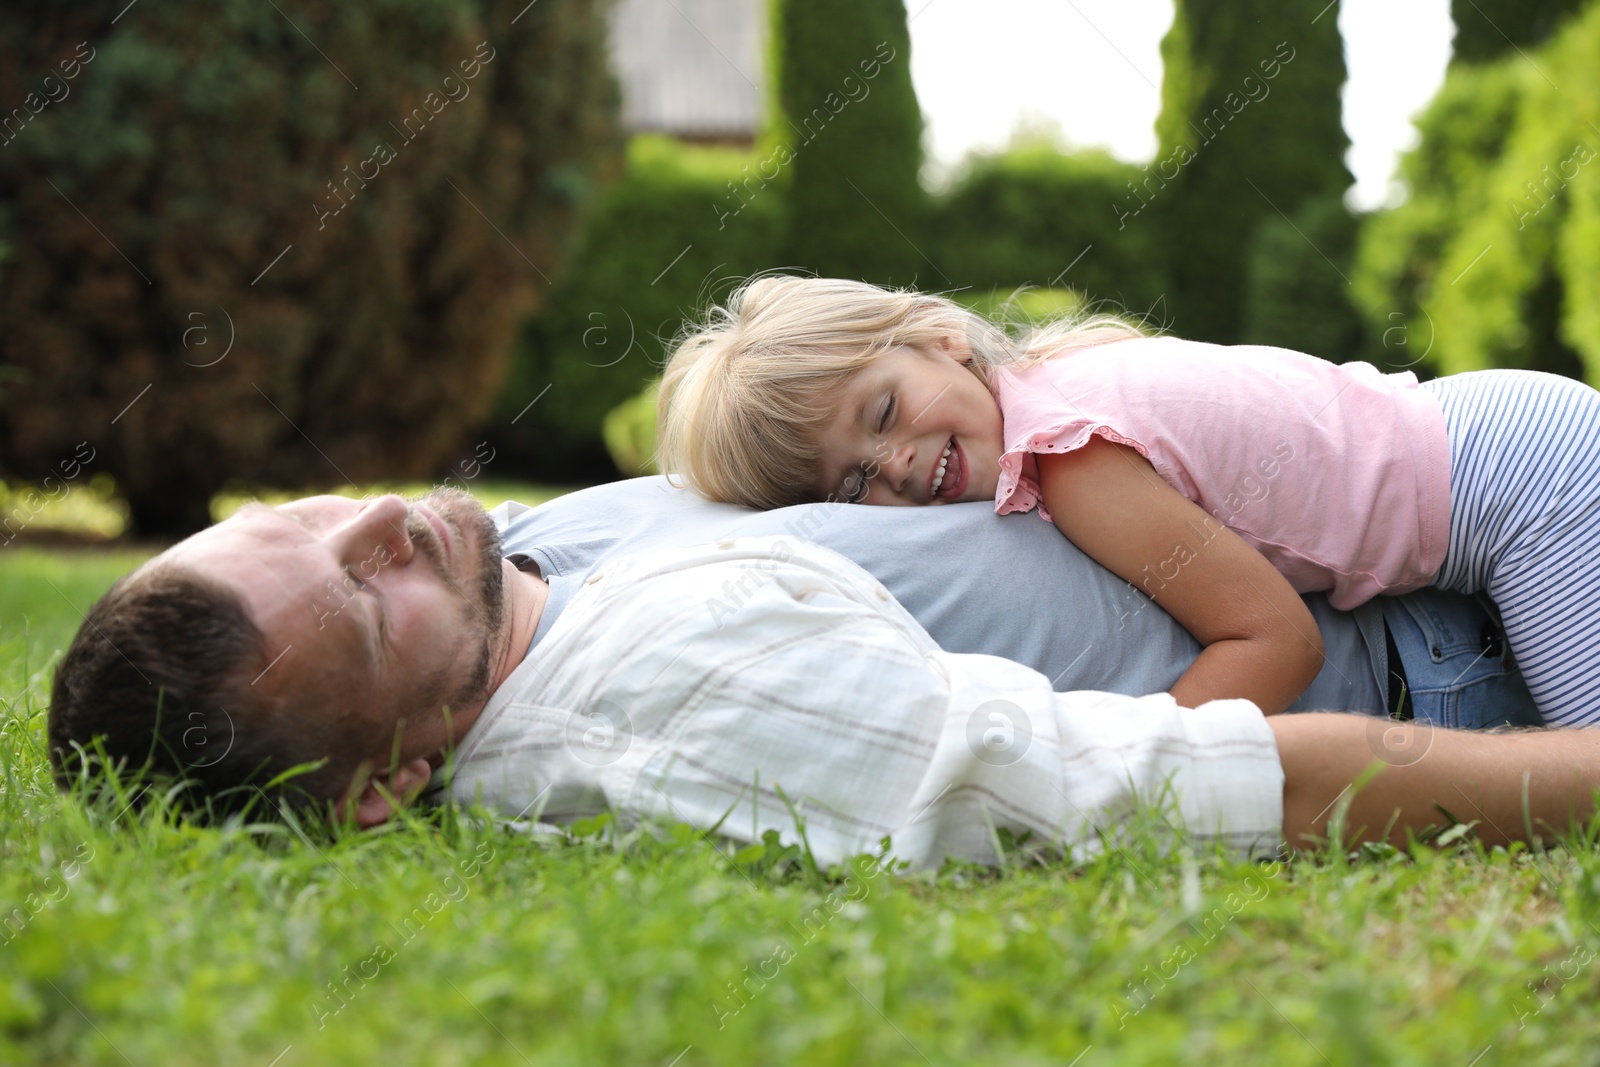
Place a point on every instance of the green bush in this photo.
(850, 132)
(1250, 126)
(666, 239)
(1022, 307)
(1494, 260)
(1491, 29)
(1035, 215)
(1297, 291)
(1463, 131)
(359, 225)
(630, 433)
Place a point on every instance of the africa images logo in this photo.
(998, 733)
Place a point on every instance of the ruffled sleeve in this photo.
(1039, 419)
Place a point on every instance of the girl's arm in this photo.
(1260, 640)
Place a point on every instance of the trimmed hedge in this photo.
(1251, 125)
(1035, 215)
(1487, 30)
(664, 241)
(849, 131)
(1297, 291)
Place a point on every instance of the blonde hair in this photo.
(747, 393)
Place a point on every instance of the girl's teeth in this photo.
(938, 478)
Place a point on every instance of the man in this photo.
(984, 583)
(750, 683)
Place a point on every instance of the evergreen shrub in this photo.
(233, 253)
(1038, 216)
(666, 239)
(1494, 259)
(851, 131)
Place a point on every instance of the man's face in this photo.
(381, 609)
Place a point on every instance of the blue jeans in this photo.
(1457, 662)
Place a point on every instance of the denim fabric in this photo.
(1457, 662)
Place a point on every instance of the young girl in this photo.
(1221, 480)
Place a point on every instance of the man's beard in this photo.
(484, 595)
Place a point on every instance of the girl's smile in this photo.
(950, 477)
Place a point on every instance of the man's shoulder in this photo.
(735, 587)
(753, 559)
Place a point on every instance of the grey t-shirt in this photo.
(1005, 585)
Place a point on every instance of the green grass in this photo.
(147, 941)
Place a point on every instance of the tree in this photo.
(1250, 127)
(1494, 258)
(677, 231)
(1039, 216)
(1489, 29)
(850, 133)
(1297, 291)
(282, 243)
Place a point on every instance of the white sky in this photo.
(1093, 67)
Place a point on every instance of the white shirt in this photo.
(769, 683)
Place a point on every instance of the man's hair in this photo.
(160, 675)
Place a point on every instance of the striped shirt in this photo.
(1525, 524)
(769, 683)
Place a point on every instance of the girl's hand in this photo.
(1260, 640)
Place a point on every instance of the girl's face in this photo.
(912, 428)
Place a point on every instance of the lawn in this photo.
(140, 939)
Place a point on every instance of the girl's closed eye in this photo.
(887, 414)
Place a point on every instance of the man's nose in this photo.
(375, 536)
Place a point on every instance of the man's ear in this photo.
(377, 800)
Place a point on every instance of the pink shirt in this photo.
(1338, 474)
